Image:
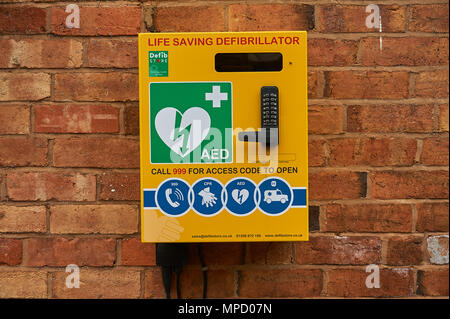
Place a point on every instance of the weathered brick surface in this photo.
(28, 219)
(99, 283)
(93, 219)
(394, 282)
(119, 186)
(90, 152)
(409, 184)
(432, 217)
(189, 19)
(111, 86)
(390, 118)
(12, 150)
(15, 119)
(243, 17)
(23, 284)
(117, 20)
(339, 250)
(57, 251)
(377, 148)
(10, 251)
(24, 86)
(75, 118)
(372, 151)
(368, 218)
(43, 186)
(279, 283)
(432, 282)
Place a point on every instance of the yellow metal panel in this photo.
(190, 58)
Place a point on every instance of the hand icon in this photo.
(208, 198)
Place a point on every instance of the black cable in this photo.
(204, 269)
(167, 279)
(171, 257)
(178, 284)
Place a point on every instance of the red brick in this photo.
(437, 249)
(270, 17)
(44, 53)
(92, 151)
(409, 184)
(431, 84)
(44, 186)
(57, 251)
(74, 118)
(120, 20)
(390, 118)
(372, 151)
(368, 218)
(111, 86)
(336, 185)
(112, 53)
(351, 18)
(22, 19)
(119, 186)
(330, 52)
(13, 150)
(432, 282)
(93, 219)
(218, 254)
(29, 219)
(432, 217)
(280, 283)
(316, 153)
(269, 253)
(221, 284)
(396, 282)
(153, 286)
(24, 86)
(131, 119)
(99, 283)
(403, 250)
(7, 49)
(443, 118)
(23, 284)
(136, 253)
(315, 85)
(15, 119)
(326, 119)
(339, 250)
(428, 18)
(410, 51)
(367, 84)
(435, 151)
(10, 251)
(189, 18)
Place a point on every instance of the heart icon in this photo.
(240, 196)
(189, 134)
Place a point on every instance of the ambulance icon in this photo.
(275, 195)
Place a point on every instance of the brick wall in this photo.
(379, 151)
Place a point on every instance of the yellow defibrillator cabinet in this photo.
(223, 136)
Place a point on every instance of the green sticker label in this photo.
(191, 122)
(158, 63)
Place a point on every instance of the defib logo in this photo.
(158, 63)
(191, 122)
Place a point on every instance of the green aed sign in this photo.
(191, 122)
(158, 62)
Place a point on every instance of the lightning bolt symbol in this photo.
(182, 133)
(240, 197)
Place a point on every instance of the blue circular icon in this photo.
(207, 194)
(276, 196)
(172, 197)
(240, 196)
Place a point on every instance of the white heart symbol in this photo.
(193, 128)
(240, 196)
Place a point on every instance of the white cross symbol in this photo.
(216, 96)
